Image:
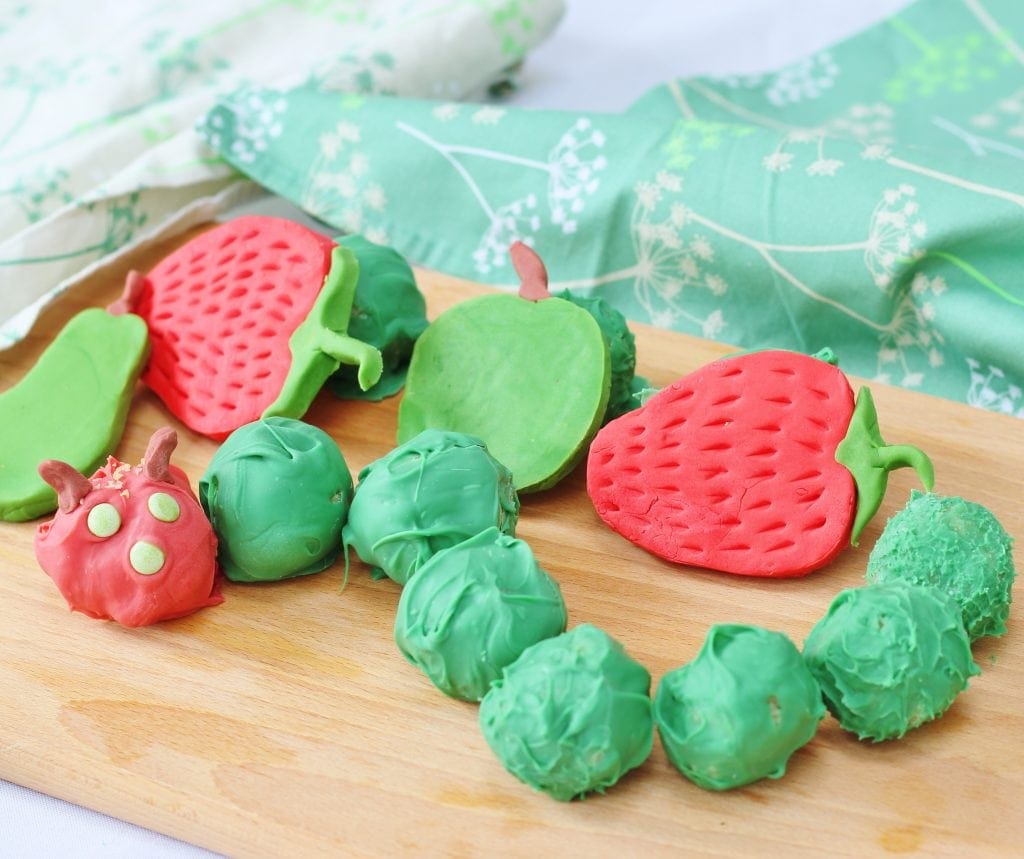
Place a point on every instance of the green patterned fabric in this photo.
(97, 143)
(869, 198)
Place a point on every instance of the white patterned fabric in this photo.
(98, 102)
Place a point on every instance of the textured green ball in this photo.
(571, 715)
(473, 609)
(890, 657)
(955, 545)
(434, 491)
(737, 712)
(621, 350)
(388, 312)
(277, 492)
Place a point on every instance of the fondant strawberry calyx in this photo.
(869, 459)
(321, 342)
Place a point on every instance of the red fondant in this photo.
(220, 312)
(95, 575)
(733, 467)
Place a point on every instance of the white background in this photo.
(604, 55)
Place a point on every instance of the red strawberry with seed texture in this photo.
(248, 320)
(758, 464)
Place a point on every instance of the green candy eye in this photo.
(163, 507)
(146, 558)
(103, 520)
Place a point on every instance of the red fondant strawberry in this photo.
(757, 464)
(248, 320)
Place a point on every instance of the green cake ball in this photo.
(890, 657)
(276, 492)
(738, 711)
(955, 545)
(621, 350)
(473, 609)
(434, 491)
(388, 312)
(571, 715)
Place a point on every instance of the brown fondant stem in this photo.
(71, 486)
(533, 276)
(158, 454)
(130, 297)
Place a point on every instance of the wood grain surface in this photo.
(285, 722)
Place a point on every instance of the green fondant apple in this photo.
(529, 374)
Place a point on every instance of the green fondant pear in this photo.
(529, 374)
(72, 406)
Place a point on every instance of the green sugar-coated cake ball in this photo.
(956, 545)
(473, 609)
(621, 350)
(738, 711)
(277, 492)
(388, 312)
(571, 715)
(890, 657)
(434, 491)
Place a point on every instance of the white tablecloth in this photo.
(604, 55)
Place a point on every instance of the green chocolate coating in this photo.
(890, 657)
(529, 378)
(738, 711)
(388, 312)
(956, 545)
(434, 491)
(473, 609)
(571, 715)
(72, 406)
(621, 350)
(276, 492)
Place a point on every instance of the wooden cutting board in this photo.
(285, 722)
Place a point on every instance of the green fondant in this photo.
(529, 378)
(643, 391)
(388, 312)
(428, 494)
(956, 545)
(321, 342)
(621, 351)
(738, 711)
(103, 520)
(163, 507)
(828, 356)
(277, 492)
(145, 558)
(70, 406)
(473, 609)
(890, 657)
(571, 715)
(869, 459)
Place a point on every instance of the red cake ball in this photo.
(131, 543)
